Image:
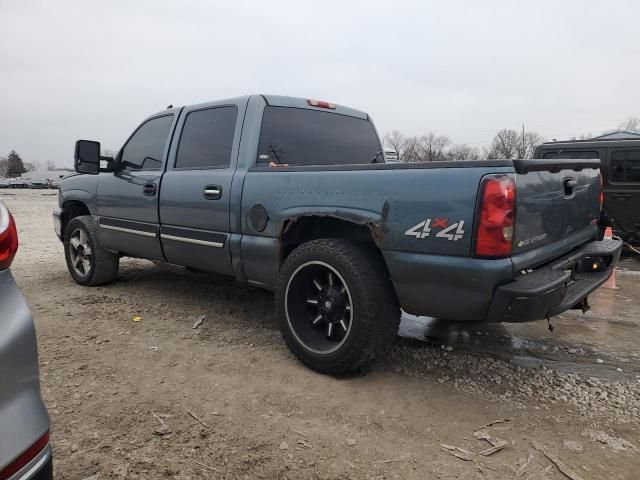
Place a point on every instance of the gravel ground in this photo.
(156, 398)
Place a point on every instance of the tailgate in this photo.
(555, 199)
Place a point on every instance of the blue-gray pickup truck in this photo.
(293, 196)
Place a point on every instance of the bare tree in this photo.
(463, 152)
(433, 147)
(403, 145)
(527, 144)
(631, 124)
(109, 152)
(412, 151)
(508, 144)
(50, 165)
(505, 144)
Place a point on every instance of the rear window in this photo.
(297, 136)
(625, 166)
(577, 154)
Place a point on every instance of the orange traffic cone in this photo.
(611, 282)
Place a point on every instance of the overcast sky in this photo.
(95, 69)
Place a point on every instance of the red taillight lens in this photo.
(494, 227)
(25, 457)
(8, 238)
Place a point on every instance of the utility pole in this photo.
(523, 147)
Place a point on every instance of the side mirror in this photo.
(87, 157)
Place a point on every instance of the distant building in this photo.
(619, 135)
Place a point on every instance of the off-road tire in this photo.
(377, 313)
(104, 264)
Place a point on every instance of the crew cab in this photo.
(293, 195)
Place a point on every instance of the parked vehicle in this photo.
(40, 183)
(390, 155)
(293, 195)
(621, 175)
(25, 452)
(5, 183)
(19, 183)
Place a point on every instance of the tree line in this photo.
(506, 144)
(13, 166)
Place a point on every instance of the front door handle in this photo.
(621, 196)
(149, 190)
(213, 192)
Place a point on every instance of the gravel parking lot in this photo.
(156, 398)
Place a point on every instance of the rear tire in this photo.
(336, 306)
(89, 264)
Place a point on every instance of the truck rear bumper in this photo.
(557, 287)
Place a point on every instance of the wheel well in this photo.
(301, 230)
(72, 209)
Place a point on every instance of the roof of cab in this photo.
(296, 102)
(277, 101)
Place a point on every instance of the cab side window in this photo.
(145, 149)
(625, 166)
(207, 138)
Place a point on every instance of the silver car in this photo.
(25, 452)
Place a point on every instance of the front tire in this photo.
(88, 263)
(336, 305)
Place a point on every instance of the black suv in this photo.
(621, 175)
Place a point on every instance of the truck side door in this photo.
(127, 200)
(195, 194)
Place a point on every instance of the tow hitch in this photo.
(583, 305)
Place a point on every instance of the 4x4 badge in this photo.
(424, 229)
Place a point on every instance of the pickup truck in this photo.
(294, 196)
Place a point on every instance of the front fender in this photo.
(81, 188)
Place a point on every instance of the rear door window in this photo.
(295, 136)
(207, 138)
(625, 166)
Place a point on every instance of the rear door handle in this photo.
(213, 192)
(621, 196)
(149, 190)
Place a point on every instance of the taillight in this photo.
(321, 104)
(25, 457)
(8, 238)
(495, 219)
